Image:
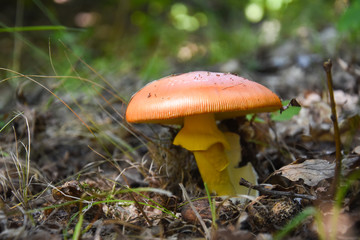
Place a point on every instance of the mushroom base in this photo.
(217, 154)
(216, 178)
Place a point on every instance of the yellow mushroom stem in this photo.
(247, 172)
(217, 154)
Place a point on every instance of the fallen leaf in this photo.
(357, 150)
(312, 171)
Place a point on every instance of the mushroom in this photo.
(196, 100)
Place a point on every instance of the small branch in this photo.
(337, 175)
(201, 221)
(266, 191)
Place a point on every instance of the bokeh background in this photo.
(160, 37)
(123, 44)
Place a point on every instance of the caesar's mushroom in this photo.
(196, 100)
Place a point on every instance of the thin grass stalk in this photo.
(212, 207)
(202, 223)
(337, 176)
(77, 230)
(18, 45)
(27, 173)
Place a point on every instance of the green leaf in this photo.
(350, 20)
(287, 114)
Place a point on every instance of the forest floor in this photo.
(61, 178)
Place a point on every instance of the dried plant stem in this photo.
(266, 191)
(327, 67)
(201, 221)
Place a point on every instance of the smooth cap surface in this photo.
(171, 98)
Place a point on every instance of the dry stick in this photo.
(267, 191)
(201, 221)
(327, 67)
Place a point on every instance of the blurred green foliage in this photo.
(159, 37)
(349, 22)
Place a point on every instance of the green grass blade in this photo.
(33, 28)
(296, 221)
(77, 230)
(11, 120)
(212, 206)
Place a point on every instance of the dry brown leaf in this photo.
(357, 150)
(312, 171)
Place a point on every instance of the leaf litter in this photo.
(118, 198)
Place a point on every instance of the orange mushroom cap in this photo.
(171, 98)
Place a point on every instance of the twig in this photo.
(337, 175)
(206, 230)
(266, 191)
